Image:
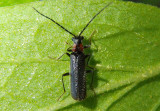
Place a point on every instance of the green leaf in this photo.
(125, 53)
(14, 2)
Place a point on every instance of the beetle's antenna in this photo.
(55, 22)
(94, 17)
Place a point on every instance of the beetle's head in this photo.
(77, 40)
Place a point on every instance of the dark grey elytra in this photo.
(78, 62)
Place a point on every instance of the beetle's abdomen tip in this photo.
(79, 98)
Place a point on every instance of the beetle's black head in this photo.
(77, 40)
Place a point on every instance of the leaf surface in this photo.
(125, 53)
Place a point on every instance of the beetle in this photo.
(78, 62)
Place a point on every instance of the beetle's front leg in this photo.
(92, 34)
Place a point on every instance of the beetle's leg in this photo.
(88, 56)
(66, 74)
(69, 49)
(59, 57)
(62, 55)
(68, 44)
(92, 34)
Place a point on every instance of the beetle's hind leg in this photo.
(65, 74)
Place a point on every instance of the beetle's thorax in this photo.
(77, 46)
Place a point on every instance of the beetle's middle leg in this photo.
(69, 50)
